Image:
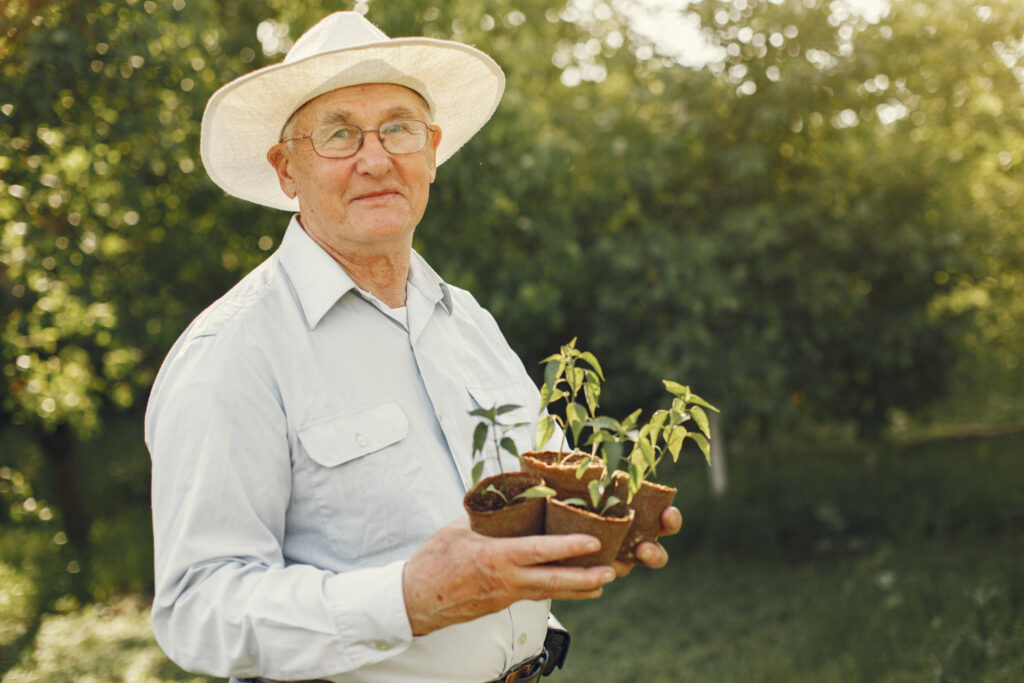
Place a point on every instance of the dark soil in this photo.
(484, 501)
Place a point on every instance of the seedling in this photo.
(563, 370)
(498, 433)
(597, 502)
(666, 426)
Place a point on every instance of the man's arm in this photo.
(225, 602)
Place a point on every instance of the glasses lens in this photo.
(336, 140)
(403, 136)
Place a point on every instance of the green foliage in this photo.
(819, 226)
(561, 370)
(111, 642)
(596, 501)
(490, 425)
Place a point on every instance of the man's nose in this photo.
(372, 158)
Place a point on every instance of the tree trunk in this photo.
(58, 446)
(718, 475)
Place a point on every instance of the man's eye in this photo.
(394, 127)
(342, 134)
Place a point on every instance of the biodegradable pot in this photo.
(562, 518)
(648, 503)
(562, 477)
(491, 516)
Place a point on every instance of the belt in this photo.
(551, 656)
(529, 671)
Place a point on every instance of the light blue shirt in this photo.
(305, 443)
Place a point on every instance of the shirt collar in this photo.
(429, 283)
(319, 281)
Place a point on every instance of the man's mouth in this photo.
(378, 194)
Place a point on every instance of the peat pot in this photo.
(491, 516)
(648, 503)
(562, 476)
(610, 529)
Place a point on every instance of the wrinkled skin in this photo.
(495, 572)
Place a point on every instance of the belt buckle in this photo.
(529, 670)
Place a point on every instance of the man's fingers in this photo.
(565, 583)
(527, 551)
(651, 554)
(671, 521)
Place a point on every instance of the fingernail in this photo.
(607, 577)
(592, 546)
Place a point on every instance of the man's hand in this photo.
(459, 575)
(653, 554)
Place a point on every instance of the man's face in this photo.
(372, 197)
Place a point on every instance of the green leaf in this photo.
(658, 420)
(552, 371)
(510, 446)
(602, 423)
(704, 445)
(478, 469)
(631, 419)
(582, 467)
(537, 492)
(636, 479)
(701, 418)
(612, 453)
(578, 502)
(576, 417)
(507, 408)
(575, 378)
(557, 395)
(545, 396)
(491, 489)
(545, 430)
(596, 490)
(674, 440)
(608, 504)
(592, 393)
(592, 360)
(678, 389)
(483, 412)
(694, 398)
(648, 452)
(479, 437)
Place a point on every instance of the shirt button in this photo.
(522, 639)
(361, 440)
(381, 645)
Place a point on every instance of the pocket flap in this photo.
(346, 437)
(503, 394)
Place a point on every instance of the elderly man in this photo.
(309, 431)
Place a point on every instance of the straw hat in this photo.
(243, 119)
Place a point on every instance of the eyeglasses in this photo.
(341, 140)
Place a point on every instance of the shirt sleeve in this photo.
(225, 602)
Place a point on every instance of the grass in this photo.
(936, 612)
(902, 563)
(930, 613)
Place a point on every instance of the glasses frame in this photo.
(362, 137)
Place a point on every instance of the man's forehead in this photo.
(389, 97)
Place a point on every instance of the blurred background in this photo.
(811, 212)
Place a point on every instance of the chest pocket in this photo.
(366, 480)
(518, 424)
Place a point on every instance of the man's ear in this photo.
(435, 140)
(280, 159)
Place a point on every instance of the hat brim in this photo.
(243, 119)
